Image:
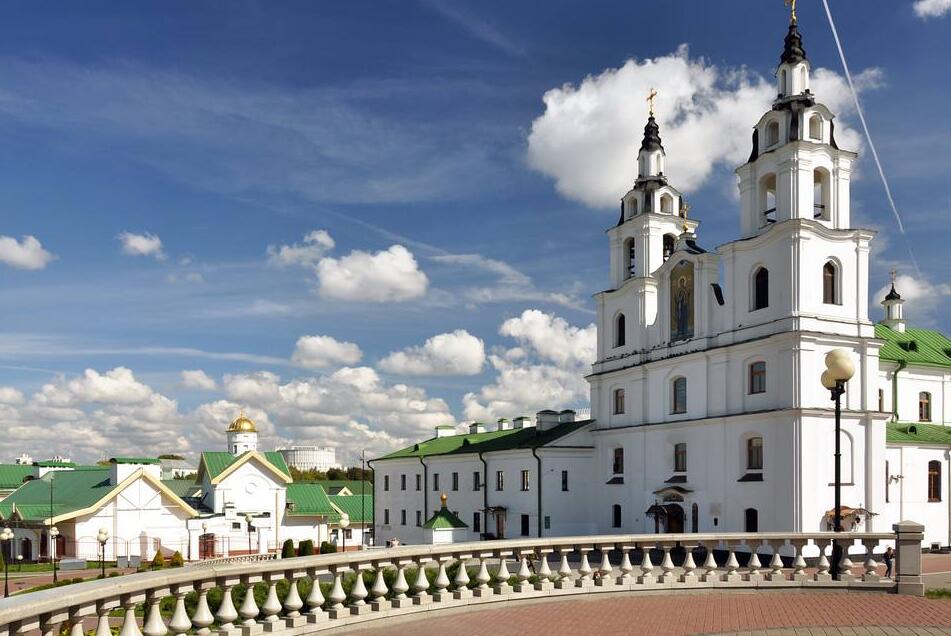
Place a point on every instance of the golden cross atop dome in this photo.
(650, 101)
(685, 208)
(792, 6)
(894, 274)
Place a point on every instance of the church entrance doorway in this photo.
(675, 518)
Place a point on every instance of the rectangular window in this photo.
(402, 482)
(547, 522)
(419, 482)
(618, 463)
(348, 533)
(564, 481)
(525, 525)
(435, 481)
(477, 480)
(419, 518)
(680, 457)
(618, 401)
(679, 401)
(386, 516)
(525, 480)
(757, 378)
(881, 400)
(236, 525)
(402, 517)
(476, 522)
(386, 483)
(754, 453)
(455, 481)
(499, 480)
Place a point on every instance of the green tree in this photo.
(176, 561)
(158, 561)
(327, 547)
(306, 548)
(287, 550)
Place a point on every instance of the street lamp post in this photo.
(344, 524)
(103, 537)
(839, 370)
(202, 547)
(248, 518)
(54, 532)
(6, 536)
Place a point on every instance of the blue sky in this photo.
(163, 154)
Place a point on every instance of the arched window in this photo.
(815, 128)
(761, 289)
(820, 195)
(618, 463)
(924, 407)
(616, 516)
(751, 520)
(680, 457)
(758, 377)
(830, 284)
(783, 89)
(695, 518)
(669, 240)
(768, 199)
(631, 256)
(620, 331)
(618, 401)
(667, 204)
(679, 396)
(772, 133)
(754, 453)
(934, 481)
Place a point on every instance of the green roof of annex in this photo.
(511, 439)
(925, 347)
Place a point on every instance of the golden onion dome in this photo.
(242, 424)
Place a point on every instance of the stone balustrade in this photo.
(372, 584)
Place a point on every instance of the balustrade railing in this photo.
(315, 593)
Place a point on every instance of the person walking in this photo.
(889, 560)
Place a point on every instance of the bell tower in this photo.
(242, 435)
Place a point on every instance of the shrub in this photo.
(158, 561)
(287, 550)
(306, 548)
(177, 560)
(326, 547)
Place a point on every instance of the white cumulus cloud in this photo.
(922, 297)
(315, 245)
(932, 8)
(588, 137)
(455, 353)
(391, 275)
(199, 380)
(142, 245)
(316, 352)
(552, 337)
(27, 253)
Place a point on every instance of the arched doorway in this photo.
(674, 518)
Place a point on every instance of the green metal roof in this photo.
(917, 433)
(310, 500)
(184, 488)
(530, 437)
(444, 520)
(12, 475)
(216, 462)
(52, 464)
(358, 508)
(925, 347)
(135, 460)
(72, 490)
(334, 486)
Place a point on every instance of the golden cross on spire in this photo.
(650, 101)
(684, 209)
(894, 274)
(792, 5)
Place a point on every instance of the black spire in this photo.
(651, 136)
(793, 51)
(893, 295)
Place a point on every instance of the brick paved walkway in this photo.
(682, 614)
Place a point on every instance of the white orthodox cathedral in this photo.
(707, 411)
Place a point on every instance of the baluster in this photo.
(626, 568)
(871, 567)
(667, 565)
(823, 565)
(462, 579)
(753, 565)
(544, 583)
(49, 624)
(442, 581)
(799, 563)
(272, 605)
(845, 563)
(130, 624)
(710, 565)
(227, 614)
(293, 602)
(564, 570)
(400, 587)
(378, 590)
(523, 574)
(358, 594)
(605, 568)
(421, 584)
(776, 564)
(647, 568)
(180, 623)
(249, 607)
(584, 570)
(503, 575)
(102, 626)
(76, 623)
(337, 596)
(483, 578)
(731, 565)
(690, 566)
(315, 599)
(203, 618)
(154, 624)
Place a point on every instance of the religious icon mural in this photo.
(681, 301)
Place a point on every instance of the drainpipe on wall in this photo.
(425, 489)
(485, 496)
(539, 461)
(373, 509)
(901, 365)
